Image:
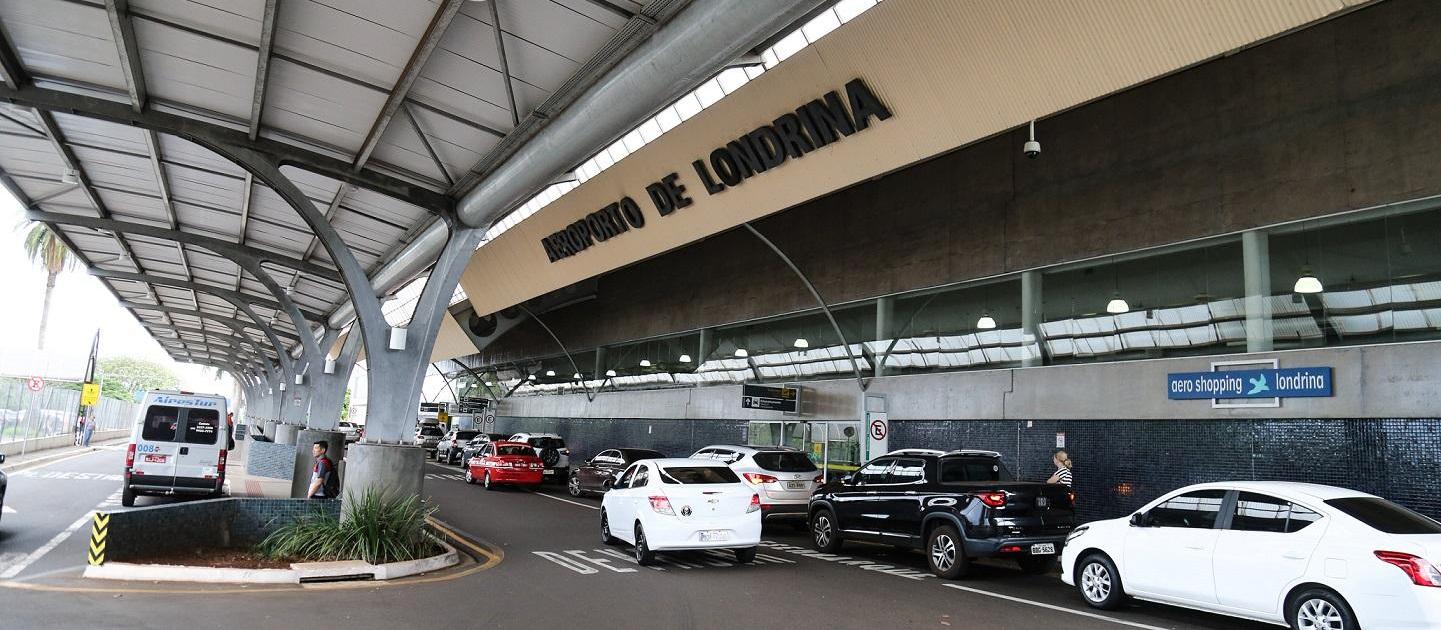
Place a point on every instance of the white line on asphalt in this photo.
(16, 568)
(566, 501)
(1052, 607)
(48, 461)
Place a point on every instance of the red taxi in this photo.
(499, 463)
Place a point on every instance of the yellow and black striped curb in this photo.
(98, 532)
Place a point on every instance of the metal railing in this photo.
(53, 411)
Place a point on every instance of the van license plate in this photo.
(155, 459)
(712, 535)
(795, 485)
(1044, 549)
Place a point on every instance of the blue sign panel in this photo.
(1310, 382)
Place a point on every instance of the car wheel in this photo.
(1099, 583)
(573, 486)
(1036, 565)
(746, 555)
(643, 555)
(824, 532)
(485, 481)
(127, 497)
(946, 554)
(1320, 609)
(605, 536)
(469, 478)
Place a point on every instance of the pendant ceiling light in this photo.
(741, 353)
(645, 362)
(986, 322)
(1117, 305)
(610, 372)
(575, 376)
(802, 343)
(550, 372)
(1308, 282)
(684, 358)
(530, 378)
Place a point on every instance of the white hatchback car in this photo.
(1303, 555)
(681, 504)
(784, 477)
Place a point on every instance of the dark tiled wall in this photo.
(138, 534)
(1122, 464)
(588, 436)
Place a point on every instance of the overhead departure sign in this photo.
(822, 121)
(767, 398)
(1305, 382)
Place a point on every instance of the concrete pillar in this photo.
(885, 323)
(397, 470)
(305, 461)
(707, 341)
(269, 426)
(1031, 318)
(331, 380)
(285, 433)
(600, 363)
(1256, 260)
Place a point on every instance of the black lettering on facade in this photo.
(746, 157)
(706, 179)
(829, 119)
(660, 198)
(788, 129)
(864, 104)
(676, 191)
(725, 166)
(612, 212)
(631, 212)
(767, 145)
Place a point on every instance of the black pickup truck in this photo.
(955, 506)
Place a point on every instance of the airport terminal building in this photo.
(1220, 260)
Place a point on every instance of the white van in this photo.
(178, 446)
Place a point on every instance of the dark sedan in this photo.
(596, 475)
(3, 483)
(473, 446)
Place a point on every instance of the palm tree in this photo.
(44, 248)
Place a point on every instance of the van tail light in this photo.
(661, 505)
(129, 458)
(755, 503)
(993, 499)
(1421, 572)
(220, 463)
(758, 478)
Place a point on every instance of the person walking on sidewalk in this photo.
(323, 482)
(86, 431)
(1063, 468)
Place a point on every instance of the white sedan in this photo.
(1308, 556)
(680, 504)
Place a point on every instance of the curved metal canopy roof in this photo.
(385, 112)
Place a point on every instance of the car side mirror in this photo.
(2, 458)
(1139, 520)
(848, 480)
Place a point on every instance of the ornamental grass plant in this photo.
(375, 528)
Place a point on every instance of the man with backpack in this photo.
(324, 484)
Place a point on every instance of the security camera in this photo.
(1032, 148)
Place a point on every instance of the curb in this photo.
(298, 573)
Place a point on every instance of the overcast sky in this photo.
(79, 306)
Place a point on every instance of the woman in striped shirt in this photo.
(1063, 468)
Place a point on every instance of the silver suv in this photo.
(427, 436)
(783, 477)
(553, 453)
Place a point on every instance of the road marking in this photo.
(47, 461)
(542, 494)
(16, 568)
(1063, 609)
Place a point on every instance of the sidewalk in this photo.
(52, 454)
(241, 484)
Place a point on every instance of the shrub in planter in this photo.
(375, 529)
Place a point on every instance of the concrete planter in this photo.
(306, 571)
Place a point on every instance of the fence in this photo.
(53, 411)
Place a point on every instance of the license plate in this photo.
(713, 535)
(550, 471)
(795, 485)
(1042, 502)
(1043, 549)
(155, 459)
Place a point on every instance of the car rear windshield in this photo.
(515, 450)
(201, 426)
(699, 475)
(546, 442)
(784, 461)
(431, 431)
(1385, 516)
(161, 423)
(466, 435)
(972, 469)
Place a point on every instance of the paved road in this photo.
(556, 573)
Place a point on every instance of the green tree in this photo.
(121, 376)
(345, 406)
(44, 248)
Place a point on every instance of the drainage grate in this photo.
(354, 577)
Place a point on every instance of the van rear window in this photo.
(201, 426)
(161, 423)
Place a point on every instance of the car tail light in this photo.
(758, 478)
(220, 464)
(1071, 495)
(661, 505)
(819, 479)
(755, 503)
(993, 499)
(1421, 572)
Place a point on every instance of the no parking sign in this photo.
(35, 384)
